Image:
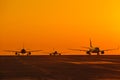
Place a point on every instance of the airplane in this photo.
(22, 51)
(55, 53)
(92, 49)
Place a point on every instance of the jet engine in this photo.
(88, 52)
(29, 53)
(59, 54)
(50, 54)
(102, 52)
(16, 53)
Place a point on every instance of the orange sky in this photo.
(59, 24)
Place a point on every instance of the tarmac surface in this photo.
(60, 67)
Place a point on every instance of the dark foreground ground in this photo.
(59, 67)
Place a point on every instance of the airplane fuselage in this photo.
(23, 51)
(94, 50)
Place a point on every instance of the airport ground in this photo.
(71, 67)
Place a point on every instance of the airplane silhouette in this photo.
(54, 53)
(92, 49)
(22, 51)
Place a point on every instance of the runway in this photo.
(63, 67)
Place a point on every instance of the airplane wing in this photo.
(11, 51)
(34, 50)
(85, 47)
(111, 49)
(77, 50)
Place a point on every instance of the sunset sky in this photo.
(59, 24)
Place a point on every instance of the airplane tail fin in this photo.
(23, 46)
(91, 43)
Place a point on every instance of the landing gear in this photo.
(89, 53)
(102, 52)
(98, 54)
(17, 54)
(54, 54)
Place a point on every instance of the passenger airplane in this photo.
(22, 51)
(55, 53)
(92, 49)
